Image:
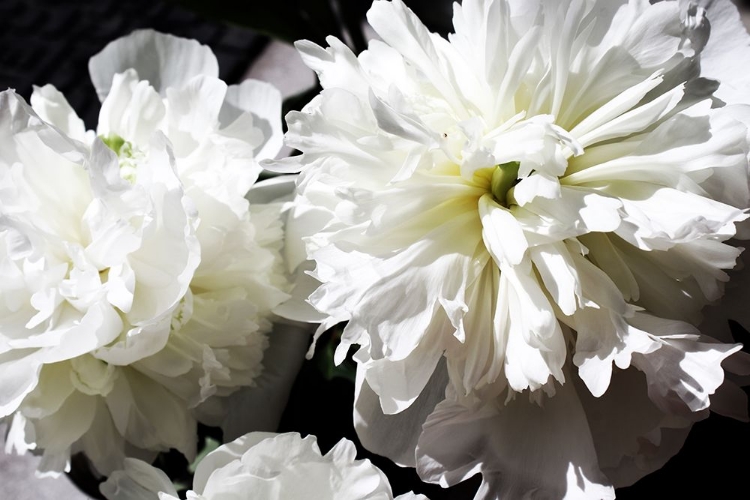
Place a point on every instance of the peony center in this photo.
(504, 177)
(128, 155)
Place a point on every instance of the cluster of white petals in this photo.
(263, 465)
(136, 282)
(521, 225)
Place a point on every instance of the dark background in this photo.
(45, 41)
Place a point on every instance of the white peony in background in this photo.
(521, 226)
(137, 282)
(263, 465)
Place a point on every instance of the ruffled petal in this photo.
(163, 60)
(137, 481)
(511, 445)
(631, 435)
(395, 436)
(52, 107)
(252, 112)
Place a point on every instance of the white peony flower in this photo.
(263, 465)
(522, 223)
(137, 282)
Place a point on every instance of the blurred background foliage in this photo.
(314, 20)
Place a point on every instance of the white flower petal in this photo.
(137, 481)
(193, 111)
(394, 436)
(726, 51)
(163, 60)
(52, 107)
(63, 428)
(535, 185)
(623, 423)
(604, 338)
(651, 223)
(149, 416)
(683, 374)
(477, 359)
(505, 444)
(501, 232)
(635, 120)
(411, 496)
(402, 124)
(102, 444)
(577, 212)
(399, 382)
(19, 376)
(260, 101)
(616, 107)
(398, 26)
(654, 35)
(138, 342)
(336, 66)
(536, 347)
(551, 186)
(132, 110)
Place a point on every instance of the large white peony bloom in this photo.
(522, 223)
(135, 280)
(263, 465)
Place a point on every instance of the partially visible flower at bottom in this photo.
(263, 465)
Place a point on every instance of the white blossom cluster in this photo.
(519, 224)
(136, 282)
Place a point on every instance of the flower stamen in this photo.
(127, 155)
